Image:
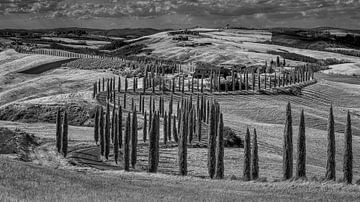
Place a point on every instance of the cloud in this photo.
(256, 10)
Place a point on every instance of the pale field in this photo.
(230, 47)
(351, 69)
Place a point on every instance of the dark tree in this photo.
(58, 130)
(348, 156)
(126, 144)
(96, 126)
(145, 127)
(102, 135)
(134, 138)
(107, 131)
(183, 145)
(247, 157)
(120, 125)
(152, 146)
(301, 160)
(288, 147)
(219, 171)
(175, 130)
(330, 164)
(65, 135)
(212, 143)
(116, 140)
(255, 158)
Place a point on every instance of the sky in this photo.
(111, 14)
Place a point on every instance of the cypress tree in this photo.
(58, 131)
(102, 136)
(247, 157)
(152, 146)
(126, 144)
(113, 123)
(190, 126)
(182, 146)
(330, 164)
(124, 100)
(119, 84)
(96, 126)
(145, 127)
(169, 126)
(175, 130)
(255, 158)
(199, 126)
(134, 138)
(120, 125)
(219, 171)
(348, 156)
(116, 140)
(165, 136)
(107, 131)
(288, 148)
(65, 135)
(212, 143)
(301, 160)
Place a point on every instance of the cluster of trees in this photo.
(301, 149)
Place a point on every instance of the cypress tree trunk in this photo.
(175, 130)
(219, 171)
(182, 146)
(119, 85)
(212, 143)
(116, 140)
(199, 126)
(301, 160)
(348, 156)
(102, 136)
(330, 164)
(124, 100)
(152, 147)
(65, 135)
(255, 158)
(134, 138)
(247, 157)
(107, 132)
(126, 144)
(96, 126)
(145, 127)
(58, 131)
(288, 147)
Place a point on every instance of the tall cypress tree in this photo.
(331, 151)
(65, 135)
(247, 157)
(348, 156)
(126, 144)
(102, 136)
(107, 131)
(254, 158)
(190, 126)
(169, 126)
(116, 140)
(175, 130)
(301, 160)
(145, 127)
(288, 147)
(165, 136)
(58, 131)
(134, 138)
(219, 171)
(182, 146)
(120, 125)
(212, 143)
(113, 123)
(96, 126)
(152, 146)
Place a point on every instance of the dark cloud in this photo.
(234, 10)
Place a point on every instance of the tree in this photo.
(330, 164)
(58, 130)
(120, 124)
(107, 131)
(255, 158)
(165, 136)
(116, 140)
(175, 130)
(65, 135)
(182, 146)
(219, 170)
(247, 157)
(102, 136)
(145, 127)
(96, 126)
(152, 146)
(134, 138)
(348, 156)
(126, 144)
(288, 148)
(212, 143)
(301, 160)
